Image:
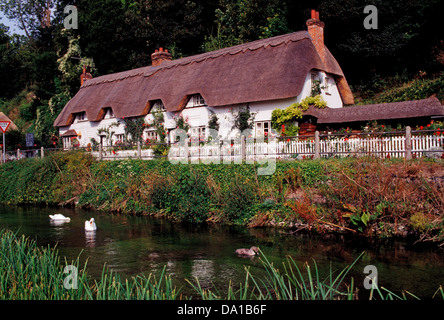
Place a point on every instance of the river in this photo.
(132, 245)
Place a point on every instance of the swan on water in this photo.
(59, 217)
(248, 252)
(90, 225)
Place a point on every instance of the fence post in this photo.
(221, 150)
(42, 152)
(317, 154)
(18, 154)
(187, 149)
(139, 150)
(100, 150)
(408, 143)
(243, 148)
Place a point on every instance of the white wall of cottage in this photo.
(199, 116)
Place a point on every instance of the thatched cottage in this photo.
(263, 75)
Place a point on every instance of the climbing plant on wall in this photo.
(243, 119)
(282, 120)
(134, 129)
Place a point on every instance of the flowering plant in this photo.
(75, 142)
(182, 123)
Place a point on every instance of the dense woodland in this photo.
(401, 60)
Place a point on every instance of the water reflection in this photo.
(57, 223)
(90, 239)
(204, 271)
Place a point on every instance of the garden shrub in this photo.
(190, 197)
(239, 200)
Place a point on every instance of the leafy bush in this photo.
(239, 199)
(190, 197)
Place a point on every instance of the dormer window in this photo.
(327, 85)
(196, 101)
(314, 77)
(158, 106)
(81, 116)
(109, 113)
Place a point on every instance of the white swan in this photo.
(248, 252)
(90, 225)
(59, 217)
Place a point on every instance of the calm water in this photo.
(134, 245)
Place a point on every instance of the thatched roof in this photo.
(383, 111)
(4, 117)
(262, 70)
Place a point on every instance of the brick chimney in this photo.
(160, 56)
(316, 31)
(85, 75)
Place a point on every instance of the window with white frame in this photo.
(67, 142)
(109, 113)
(262, 128)
(314, 77)
(327, 85)
(151, 136)
(158, 106)
(81, 116)
(196, 101)
(119, 138)
(197, 133)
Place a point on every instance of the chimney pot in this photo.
(313, 14)
(160, 56)
(317, 15)
(85, 75)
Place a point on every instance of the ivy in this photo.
(134, 129)
(282, 120)
(243, 119)
(182, 123)
(213, 122)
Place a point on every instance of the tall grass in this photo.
(30, 272)
(292, 283)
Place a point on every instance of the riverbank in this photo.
(365, 196)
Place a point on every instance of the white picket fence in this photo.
(381, 145)
(426, 144)
(393, 146)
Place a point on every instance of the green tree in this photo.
(28, 14)
(408, 38)
(12, 68)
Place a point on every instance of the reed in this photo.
(292, 283)
(30, 272)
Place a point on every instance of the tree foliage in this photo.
(42, 68)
